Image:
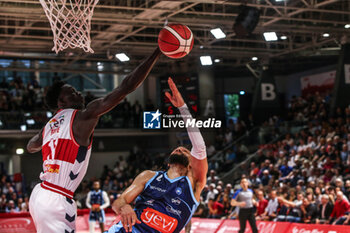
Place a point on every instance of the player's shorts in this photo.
(52, 212)
(97, 216)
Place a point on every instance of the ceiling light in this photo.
(201, 47)
(270, 36)
(19, 151)
(122, 57)
(48, 114)
(242, 92)
(30, 121)
(206, 60)
(279, 0)
(254, 58)
(325, 35)
(218, 33)
(23, 127)
(217, 60)
(283, 37)
(347, 26)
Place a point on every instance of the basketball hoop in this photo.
(70, 22)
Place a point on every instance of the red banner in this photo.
(23, 224)
(305, 228)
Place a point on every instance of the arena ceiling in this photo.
(132, 26)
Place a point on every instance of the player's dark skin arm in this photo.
(34, 144)
(86, 120)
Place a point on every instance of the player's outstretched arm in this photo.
(199, 161)
(102, 105)
(35, 143)
(122, 204)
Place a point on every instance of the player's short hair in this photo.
(52, 95)
(244, 178)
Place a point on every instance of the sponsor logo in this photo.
(302, 230)
(178, 191)
(176, 201)
(16, 223)
(52, 168)
(158, 221)
(171, 210)
(157, 189)
(151, 120)
(56, 124)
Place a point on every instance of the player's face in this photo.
(244, 184)
(71, 98)
(96, 185)
(181, 156)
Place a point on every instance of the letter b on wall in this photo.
(268, 92)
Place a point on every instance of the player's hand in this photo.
(176, 99)
(243, 204)
(128, 217)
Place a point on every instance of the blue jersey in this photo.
(165, 205)
(96, 197)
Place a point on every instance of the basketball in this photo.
(175, 40)
(95, 207)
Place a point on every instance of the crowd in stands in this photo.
(18, 98)
(303, 177)
(13, 198)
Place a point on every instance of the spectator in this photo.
(309, 210)
(11, 207)
(212, 179)
(325, 210)
(212, 193)
(271, 209)
(260, 205)
(341, 207)
(216, 209)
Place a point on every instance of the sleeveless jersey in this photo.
(64, 161)
(165, 205)
(96, 197)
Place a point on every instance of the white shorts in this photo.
(52, 212)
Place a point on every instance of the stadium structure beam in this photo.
(301, 10)
(214, 2)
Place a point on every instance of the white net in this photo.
(70, 22)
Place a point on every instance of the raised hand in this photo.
(176, 99)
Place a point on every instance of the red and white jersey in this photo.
(64, 161)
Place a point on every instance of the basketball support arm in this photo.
(199, 150)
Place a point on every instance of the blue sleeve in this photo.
(236, 193)
(251, 190)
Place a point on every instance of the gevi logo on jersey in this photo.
(151, 120)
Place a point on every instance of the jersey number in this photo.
(53, 145)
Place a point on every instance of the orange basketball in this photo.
(175, 40)
(95, 207)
